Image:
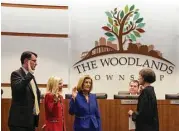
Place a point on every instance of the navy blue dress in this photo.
(87, 117)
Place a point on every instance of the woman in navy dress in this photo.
(84, 106)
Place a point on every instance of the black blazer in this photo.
(146, 116)
(22, 104)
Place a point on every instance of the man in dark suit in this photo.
(134, 87)
(24, 110)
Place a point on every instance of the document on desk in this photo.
(131, 124)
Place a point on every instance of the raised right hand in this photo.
(74, 92)
(29, 68)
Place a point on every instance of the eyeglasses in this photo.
(34, 60)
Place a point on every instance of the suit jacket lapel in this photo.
(22, 72)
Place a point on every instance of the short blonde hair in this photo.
(52, 84)
(81, 82)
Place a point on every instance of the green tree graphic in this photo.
(124, 25)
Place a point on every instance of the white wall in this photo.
(53, 58)
(31, 20)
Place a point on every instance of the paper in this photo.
(131, 124)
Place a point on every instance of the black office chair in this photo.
(172, 96)
(98, 96)
(101, 95)
(123, 93)
(68, 96)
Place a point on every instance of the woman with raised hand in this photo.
(84, 106)
(54, 106)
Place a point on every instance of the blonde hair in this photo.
(52, 84)
(81, 82)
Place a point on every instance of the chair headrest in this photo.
(1, 91)
(172, 96)
(101, 95)
(126, 96)
(68, 96)
(123, 93)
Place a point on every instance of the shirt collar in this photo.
(24, 70)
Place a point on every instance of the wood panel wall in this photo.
(113, 114)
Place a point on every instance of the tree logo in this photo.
(123, 27)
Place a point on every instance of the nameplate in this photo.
(129, 102)
(174, 102)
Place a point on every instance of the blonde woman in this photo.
(54, 106)
(84, 106)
